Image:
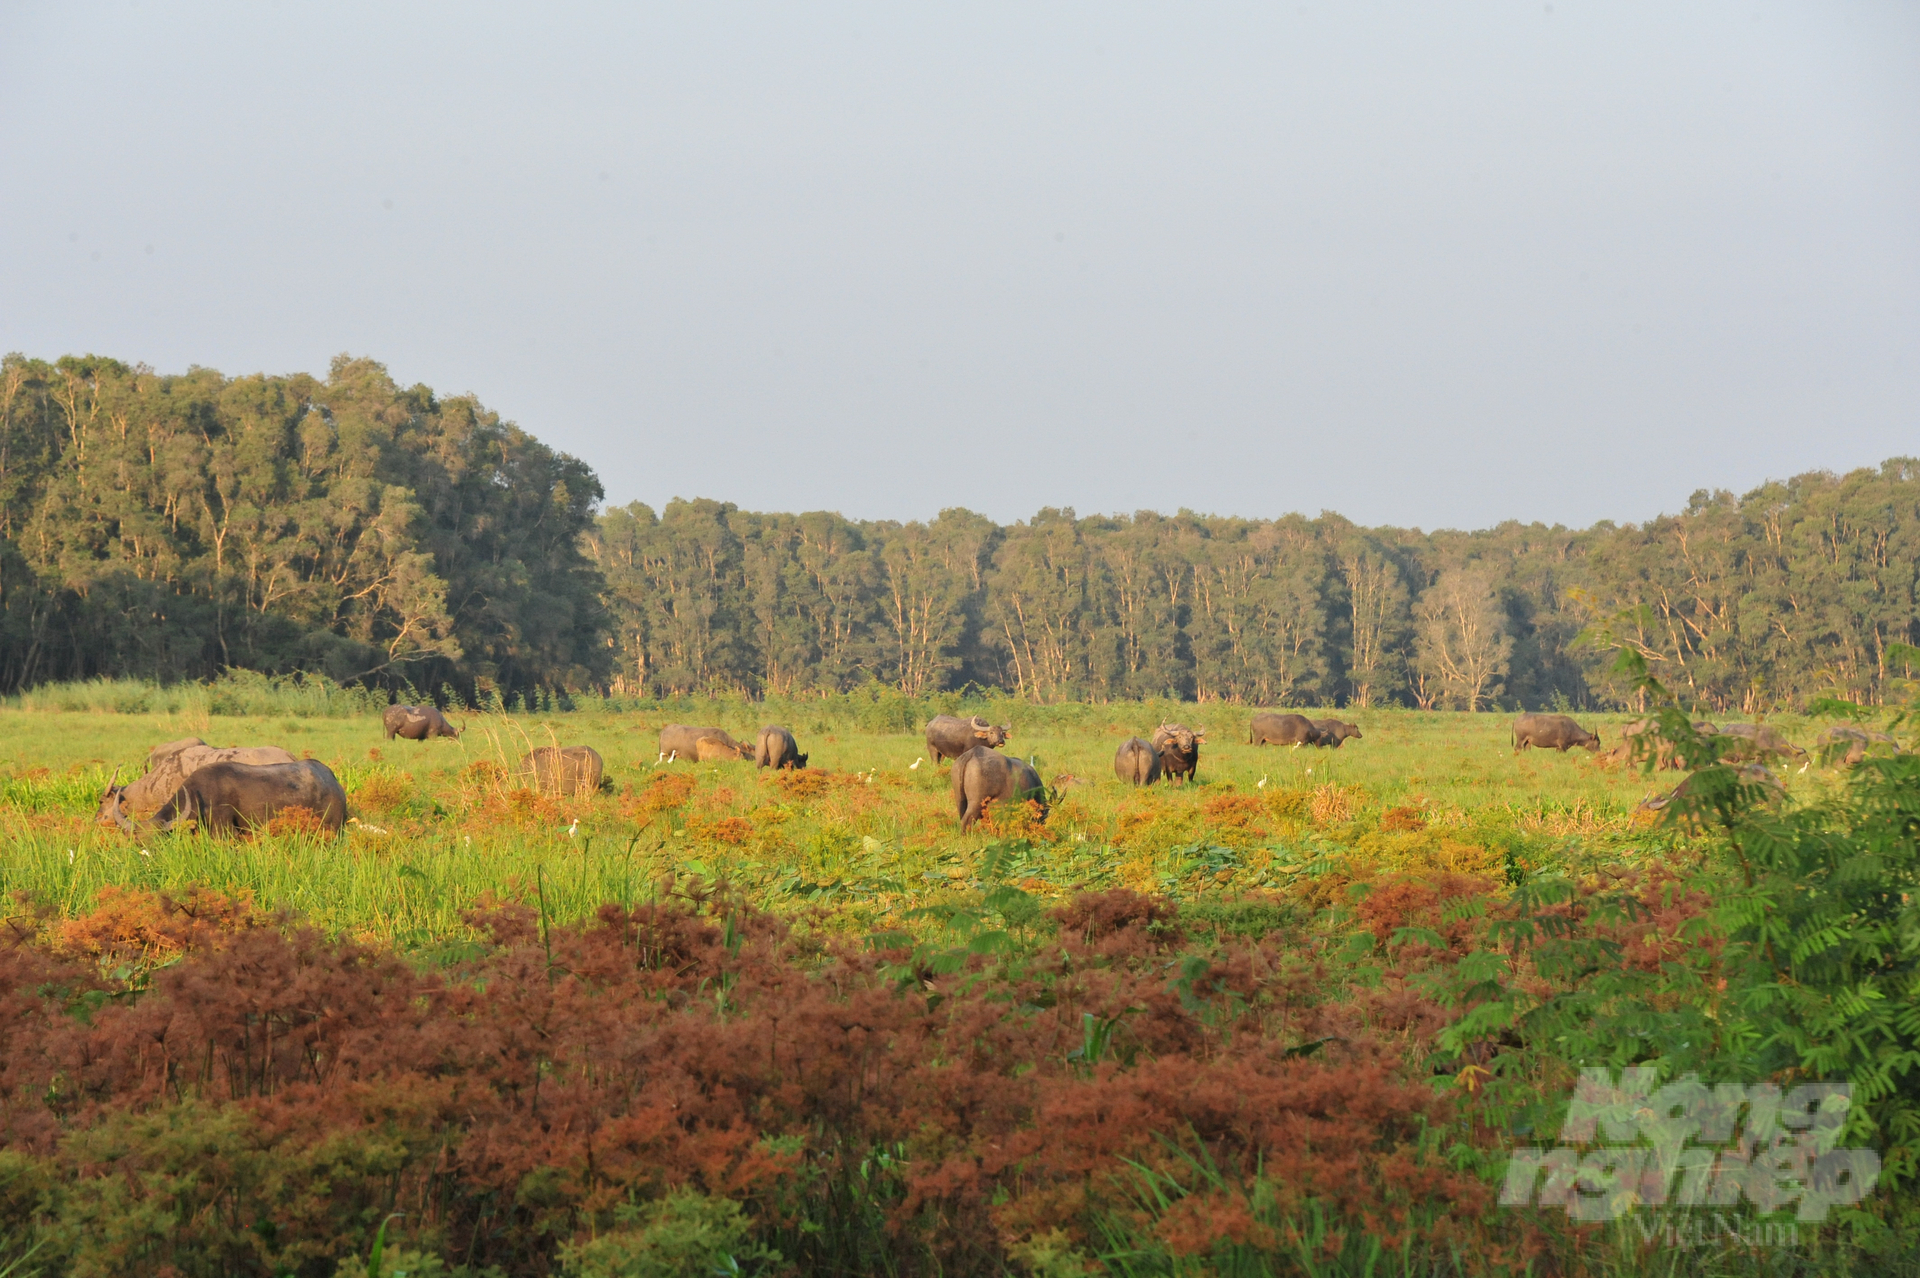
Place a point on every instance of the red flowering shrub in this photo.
(271, 1096)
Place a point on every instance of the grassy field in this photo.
(827, 1025)
(439, 825)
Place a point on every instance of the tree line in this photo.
(171, 527)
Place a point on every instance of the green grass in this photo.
(432, 836)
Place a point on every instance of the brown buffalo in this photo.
(1271, 728)
(1333, 732)
(1846, 745)
(416, 723)
(775, 748)
(1136, 762)
(565, 769)
(949, 737)
(168, 766)
(222, 798)
(1751, 774)
(983, 775)
(1640, 741)
(1753, 741)
(1551, 732)
(700, 745)
(1179, 749)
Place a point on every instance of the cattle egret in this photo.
(916, 763)
(1263, 783)
(573, 828)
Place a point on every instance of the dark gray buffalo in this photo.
(1136, 762)
(949, 737)
(775, 748)
(1551, 732)
(982, 776)
(1270, 728)
(565, 769)
(168, 767)
(700, 745)
(1847, 745)
(1179, 749)
(1756, 741)
(416, 723)
(222, 798)
(1333, 732)
(1750, 774)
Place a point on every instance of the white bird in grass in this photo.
(1263, 782)
(916, 763)
(573, 828)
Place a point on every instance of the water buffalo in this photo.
(1749, 774)
(565, 770)
(224, 797)
(1179, 749)
(1270, 728)
(1641, 740)
(1756, 741)
(983, 775)
(1136, 762)
(949, 737)
(416, 723)
(168, 766)
(1551, 732)
(1847, 745)
(775, 748)
(701, 745)
(1333, 732)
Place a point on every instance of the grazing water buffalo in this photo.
(982, 776)
(1551, 732)
(416, 723)
(1750, 774)
(701, 745)
(1136, 762)
(949, 737)
(1756, 741)
(1179, 749)
(1847, 745)
(565, 769)
(1270, 728)
(224, 797)
(1333, 732)
(775, 748)
(1640, 740)
(168, 766)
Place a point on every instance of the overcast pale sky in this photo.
(1421, 264)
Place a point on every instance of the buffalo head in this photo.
(991, 733)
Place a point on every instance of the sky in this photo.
(1423, 265)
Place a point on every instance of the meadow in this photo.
(440, 824)
(1291, 1019)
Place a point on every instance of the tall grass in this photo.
(238, 692)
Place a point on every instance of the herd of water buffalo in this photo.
(221, 790)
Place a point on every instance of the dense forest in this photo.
(170, 527)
